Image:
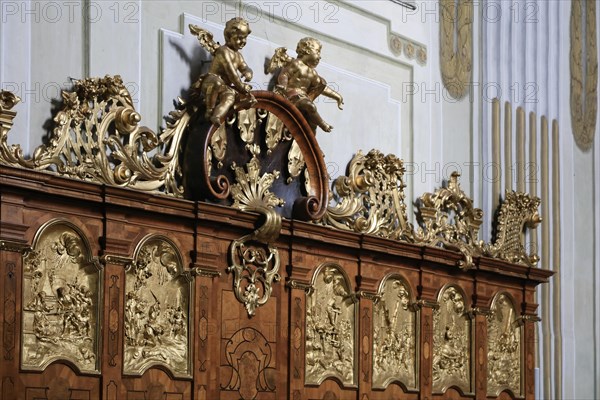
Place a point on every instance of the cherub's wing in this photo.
(280, 59)
(205, 38)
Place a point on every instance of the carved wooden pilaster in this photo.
(112, 360)
(10, 270)
(480, 355)
(297, 340)
(426, 343)
(204, 325)
(529, 353)
(365, 344)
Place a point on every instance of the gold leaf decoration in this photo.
(330, 327)
(61, 286)
(254, 261)
(448, 218)
(517, 212)
(504, 347)
(157, 310)
(394, 336)
(97, 138)
(451, 342)
(371, 198)
(456, 45)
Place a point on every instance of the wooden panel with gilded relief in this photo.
(392, 347)
(328, 266)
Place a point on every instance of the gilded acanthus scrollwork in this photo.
(157, 310)
(61, 282)
(371, 198)
(504, 347)
(451, 342)
(394, 336)
(97, 137)
(330, 328)
(448, 218)
(517, 212)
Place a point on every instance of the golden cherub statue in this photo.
(300, 83)
(222, 85)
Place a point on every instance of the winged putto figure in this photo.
(222, 87)
(300, 83)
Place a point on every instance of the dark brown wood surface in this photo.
(268, 348)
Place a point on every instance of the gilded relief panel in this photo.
(451, 342)
(504, 347)
(157, 309)
(61, 290)
(330, 327)
(394, 336)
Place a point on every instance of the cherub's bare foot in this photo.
(326, 127)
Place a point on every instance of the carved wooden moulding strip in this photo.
(452, 338)
(504, 347)
(395, 340)
(61, 296)
(157, 309)
(330, 328)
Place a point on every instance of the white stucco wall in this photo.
(43, 43)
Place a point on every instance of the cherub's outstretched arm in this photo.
(245, 70)
(332, 94)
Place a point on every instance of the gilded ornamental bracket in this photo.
(448, 219)
(254, 260)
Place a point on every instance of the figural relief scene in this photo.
(330, 328)
(394, 336)
(504, 346)
(451, 342)
(252, 159)
(61, 286)
(157, 310)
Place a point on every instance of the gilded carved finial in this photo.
(518, 212)
(222, 87)
(299, 82)
(448, 218)
(8, 100)
(371, 198)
